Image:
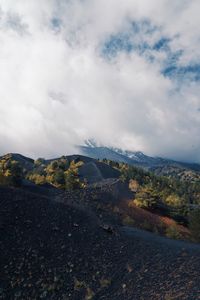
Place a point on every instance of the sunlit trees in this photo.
(133, 185)
(55, 172)
(174, 201)
(60, 173)
(72, 180)
(39, 162)
(146, 197)
(37, 178)
(10, 172)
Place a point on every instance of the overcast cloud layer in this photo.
(125, 73)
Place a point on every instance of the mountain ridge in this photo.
(158, 165)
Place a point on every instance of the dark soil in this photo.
(54, 250)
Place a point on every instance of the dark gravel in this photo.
(51, 250)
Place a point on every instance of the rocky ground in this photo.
(52, 248)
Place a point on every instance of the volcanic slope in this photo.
(52, 250)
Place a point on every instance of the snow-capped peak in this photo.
(91, 143)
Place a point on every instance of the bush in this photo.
(148, 226)
(128, 221)
(173, 233)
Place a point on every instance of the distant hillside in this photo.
(160, 195)
(53, 171)
(160, 166)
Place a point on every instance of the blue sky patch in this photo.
(190, 72)
(56, 23)
(136, 39)
(162, 44)
(116, 44)
(130, 40)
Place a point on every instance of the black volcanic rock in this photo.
(52, 250)
(95, 171)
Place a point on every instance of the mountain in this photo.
(160, 166)
(92, 170)
(86, 229)
(169, 197)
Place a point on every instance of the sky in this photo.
(125, 73)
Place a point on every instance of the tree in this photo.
(146, 197)
(133, 185)
(72, 180)
(39, 162)
(59, 178)
(10, 172)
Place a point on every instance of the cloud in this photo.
(124, 73)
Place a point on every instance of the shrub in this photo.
(172, 232)
(89, 294)
(128, 221)
(105, 282)
(147, 226)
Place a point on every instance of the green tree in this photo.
(59, 178)
(72, 180)
(146, 197)
(11, 172)
(39, 162)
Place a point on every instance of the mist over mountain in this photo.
(93, 149)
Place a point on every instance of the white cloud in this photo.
(57, 88)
